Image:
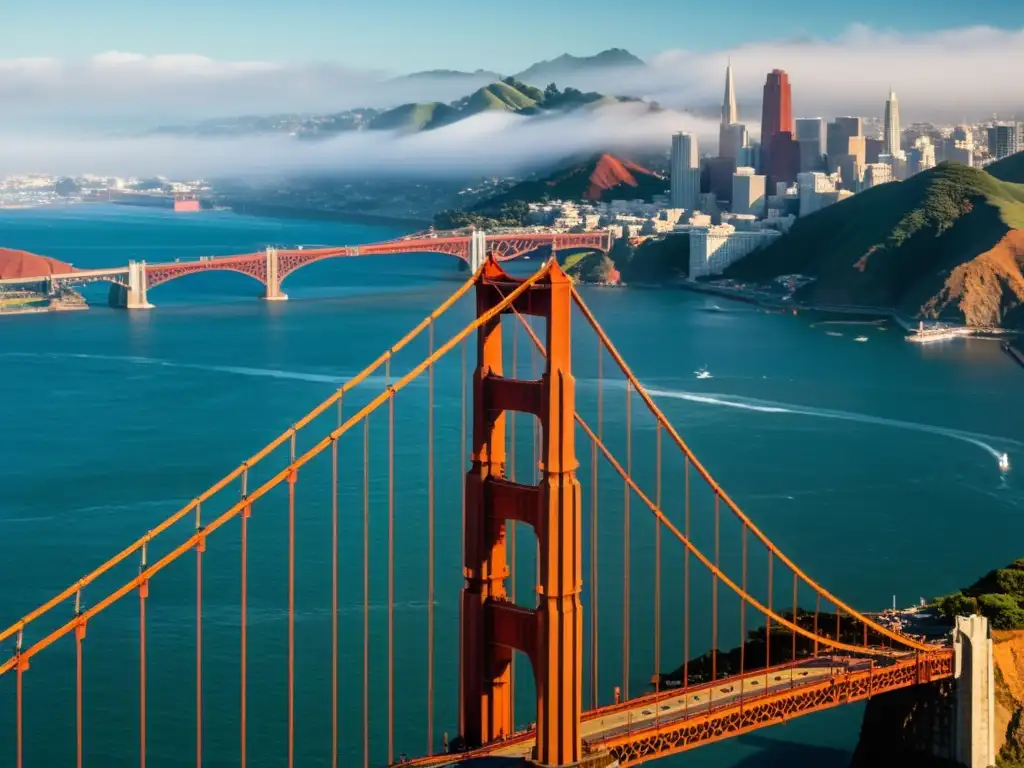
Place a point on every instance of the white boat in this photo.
(861, 338)
(1004, 462)
(703, 373)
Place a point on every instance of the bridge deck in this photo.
(676, 720)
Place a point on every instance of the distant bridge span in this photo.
(272, 266)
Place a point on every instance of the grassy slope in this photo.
(414, 117)
(895, 245)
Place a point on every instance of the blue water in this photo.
(871, 464)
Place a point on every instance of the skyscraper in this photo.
(892, 126)
(776, 111)
(729, 113)
(685, 171)
(810, 135)
(777, 130)
(732, 136)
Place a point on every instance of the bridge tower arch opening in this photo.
(492, 627)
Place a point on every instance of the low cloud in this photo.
(948, 75)
(55, 111)
(489, 143)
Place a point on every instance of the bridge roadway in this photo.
(77, 275)
(607, 724)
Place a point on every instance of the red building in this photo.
(777, 118)
(783, 160)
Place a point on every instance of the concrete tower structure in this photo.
(891, 139)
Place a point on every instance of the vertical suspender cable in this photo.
(625, 547)
(686, 575)
(511, 525)
(18, 715)
(291, 610)
(143, 594)
(657, 561)
(594, 690)
(200, 548)
(537, 445)
(743, 608)
(366, 592)
(714, 598)
(243, 659)
(461, 464)
(79, 637)
(334, 596)
(430, 549)
(817, 610)
(391, 578)
(796, 610)
(768, 623)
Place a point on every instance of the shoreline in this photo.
(956, 329)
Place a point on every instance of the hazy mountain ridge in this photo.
(518, 94)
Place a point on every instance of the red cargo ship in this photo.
(186, 204)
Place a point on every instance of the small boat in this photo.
(833, 333)
(703, 373)
(1004, 462)
(861, 338)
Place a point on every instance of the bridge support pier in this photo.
(273, 292)
(974, 736)
(477, 250)
(132, 295)
(552, 634)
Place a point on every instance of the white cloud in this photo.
(488, 143)
(945, 75)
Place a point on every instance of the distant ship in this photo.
(861, 338)
(189, 204)
(703, 373)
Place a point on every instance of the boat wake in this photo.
(271, 373)
(984, 442)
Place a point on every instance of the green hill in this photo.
(414, 117)
(508, 95)
(947, 243)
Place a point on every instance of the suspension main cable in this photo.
(660, 416)
(719, 574)
(189, 508)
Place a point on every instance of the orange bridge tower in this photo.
(551, 634)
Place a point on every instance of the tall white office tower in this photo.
(891, 140)
(685, 173)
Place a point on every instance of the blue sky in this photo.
(408, 35)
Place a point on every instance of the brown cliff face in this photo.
(15, 264)
(988, 290)
(1008, 654)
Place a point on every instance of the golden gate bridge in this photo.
(806, 660)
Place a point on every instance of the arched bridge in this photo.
(271, 266)
(643, 612)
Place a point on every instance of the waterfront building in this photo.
(685, 171)
(776, 115)
(748, 192)
(891, 136)
(713, 248)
